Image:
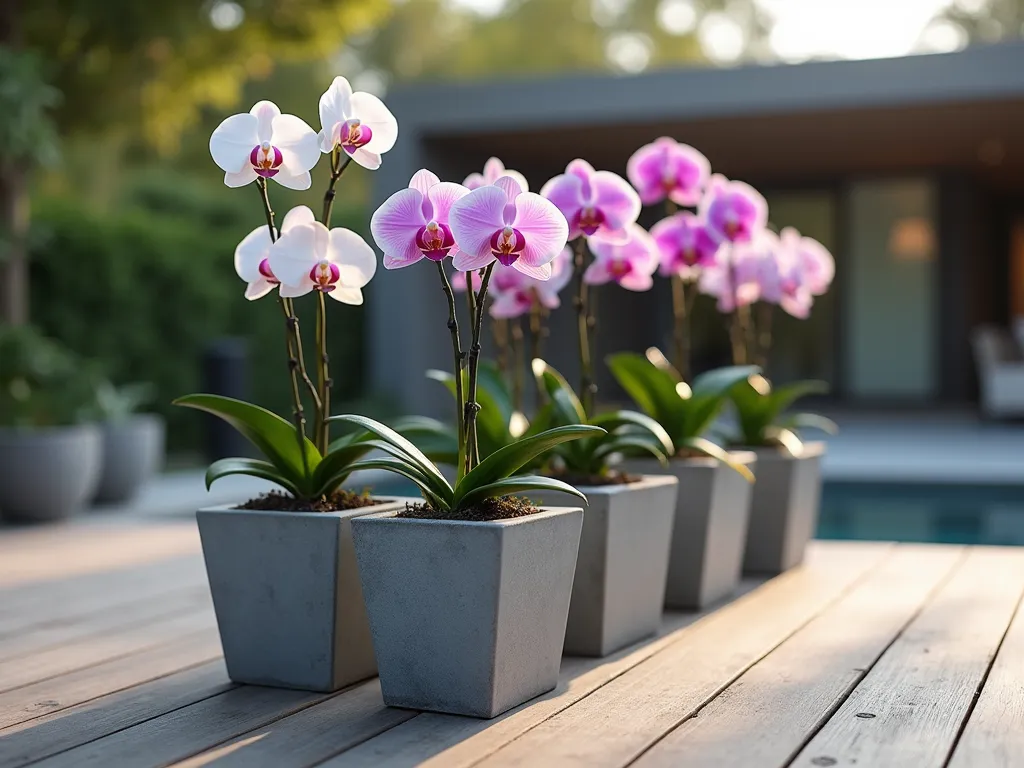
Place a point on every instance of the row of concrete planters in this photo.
(48, 473)
(619, 589)
(287, 596)
(468, 617)
(709, 531)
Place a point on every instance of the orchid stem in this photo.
(453, 327)
(291, 341)
(583, 323)
(499, 333)
(537, 334)
(338, 167)
(472, 406)
(323, 433)
(765, 313)
(516, 345)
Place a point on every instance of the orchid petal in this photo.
(475, 218)
(566, 193)
(394, 226)
(345, 295)
(250, 253)
(392, 262)
(245, 176)
(369, 160)
(597, 273)
(618, 201)
(258, 288)
(356, 260)
(294, 291)
(508, 305)
(543, 226)
(467, 262)
(637, 281)
(264, 112)
(474, 181)
(299, 181)
(295, 253)
(232, 141)
(423, 180)
(300, 149)
(371, 111)
(300, 214)
(335, 107)
(443, 196)
(540, 272)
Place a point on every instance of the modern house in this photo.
(910, 170)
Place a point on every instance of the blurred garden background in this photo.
(118, 232)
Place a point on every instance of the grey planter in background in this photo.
(48, 473)
(784, 508)
(467, 617)
(710, 530)
(133, 451)
(619, 590)
(287, 596)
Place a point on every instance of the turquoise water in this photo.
(935, 513)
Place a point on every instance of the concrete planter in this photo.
(287, 596)
(619, 590)
(710, 530)
(467, 617)
(133, 451)
(784, 508)
(48, 473)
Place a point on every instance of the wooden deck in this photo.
(871, 655)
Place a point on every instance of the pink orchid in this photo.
(413, 223)
(630, 263)
(685, 245)
(459, 281)
(734, 211)
(502, 278)
(666, 168)
(502, 222)
(494, 169)
(735, 278)
(593, 202)
(252, 256)
(263, 143)
(358, 122)
(816, 263)
(516, 296)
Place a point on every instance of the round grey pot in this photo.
(133, 451)
(46, 474)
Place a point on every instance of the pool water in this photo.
(935, 513)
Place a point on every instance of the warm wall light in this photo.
(912, 239)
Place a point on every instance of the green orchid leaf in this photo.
(337, 460)
(635, 421)
(719, 381)
(264, 470)
(273, 436)
(782, 398)
(518, 485)
(434, 438)
(410, 471)
(796, 421)
(715, 451)
(492, 421)
(502, 463)
(568, 407)
(628, 445)
(654, 391)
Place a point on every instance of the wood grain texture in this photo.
(55, 733)
(185, 732)
(909, 708)
(311, 735)
(766, 716)
(560, 726)
(68, 690)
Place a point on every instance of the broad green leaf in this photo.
(629, 445)
(490, 380)
(517, 485)
(264, 470)
(720, 380)
(786, 438)
(410, 471)
(617, 419)
(567, 402)
(508, 460)
(491, 423)
(273, 436)
(653, 390)
(336, 461)
(715, 451)
(809, 421)
(783, 397)
(434, 438)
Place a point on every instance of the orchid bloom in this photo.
(514, 297)
(630, 263)
(816, 263)
(252, 256)
(734, 211)
(593, 202)
(502, 222)
(309, 257)
(263, 143)
(494, 169)
(666, 168)
(685, 245)
(735, 277)
(461, 279)
(413, 223)
(358, 122)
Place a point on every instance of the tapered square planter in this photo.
(710, 529)
(467, 617)
(619, 590)
(287, 596)
(784, 508)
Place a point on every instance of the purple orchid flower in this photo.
(413, 224)
(494, 169)
(816, 263)
(734, 211)
(503, 223)
(515, 293)
(630, 263)
(685, 245)
(735, 278)
(666, 168)
(593, 202)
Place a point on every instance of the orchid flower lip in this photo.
(267, 272)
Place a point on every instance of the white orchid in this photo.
(263, 143)
(309, 257)
(358, 123)
(252, 256)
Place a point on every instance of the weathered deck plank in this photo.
(766, 716)
(909, 708)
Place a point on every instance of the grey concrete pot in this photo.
(619, 590)
(48, 473)
(133, 451)
(287, 596)
(467, 617)
(710, 530)
(784, 508)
